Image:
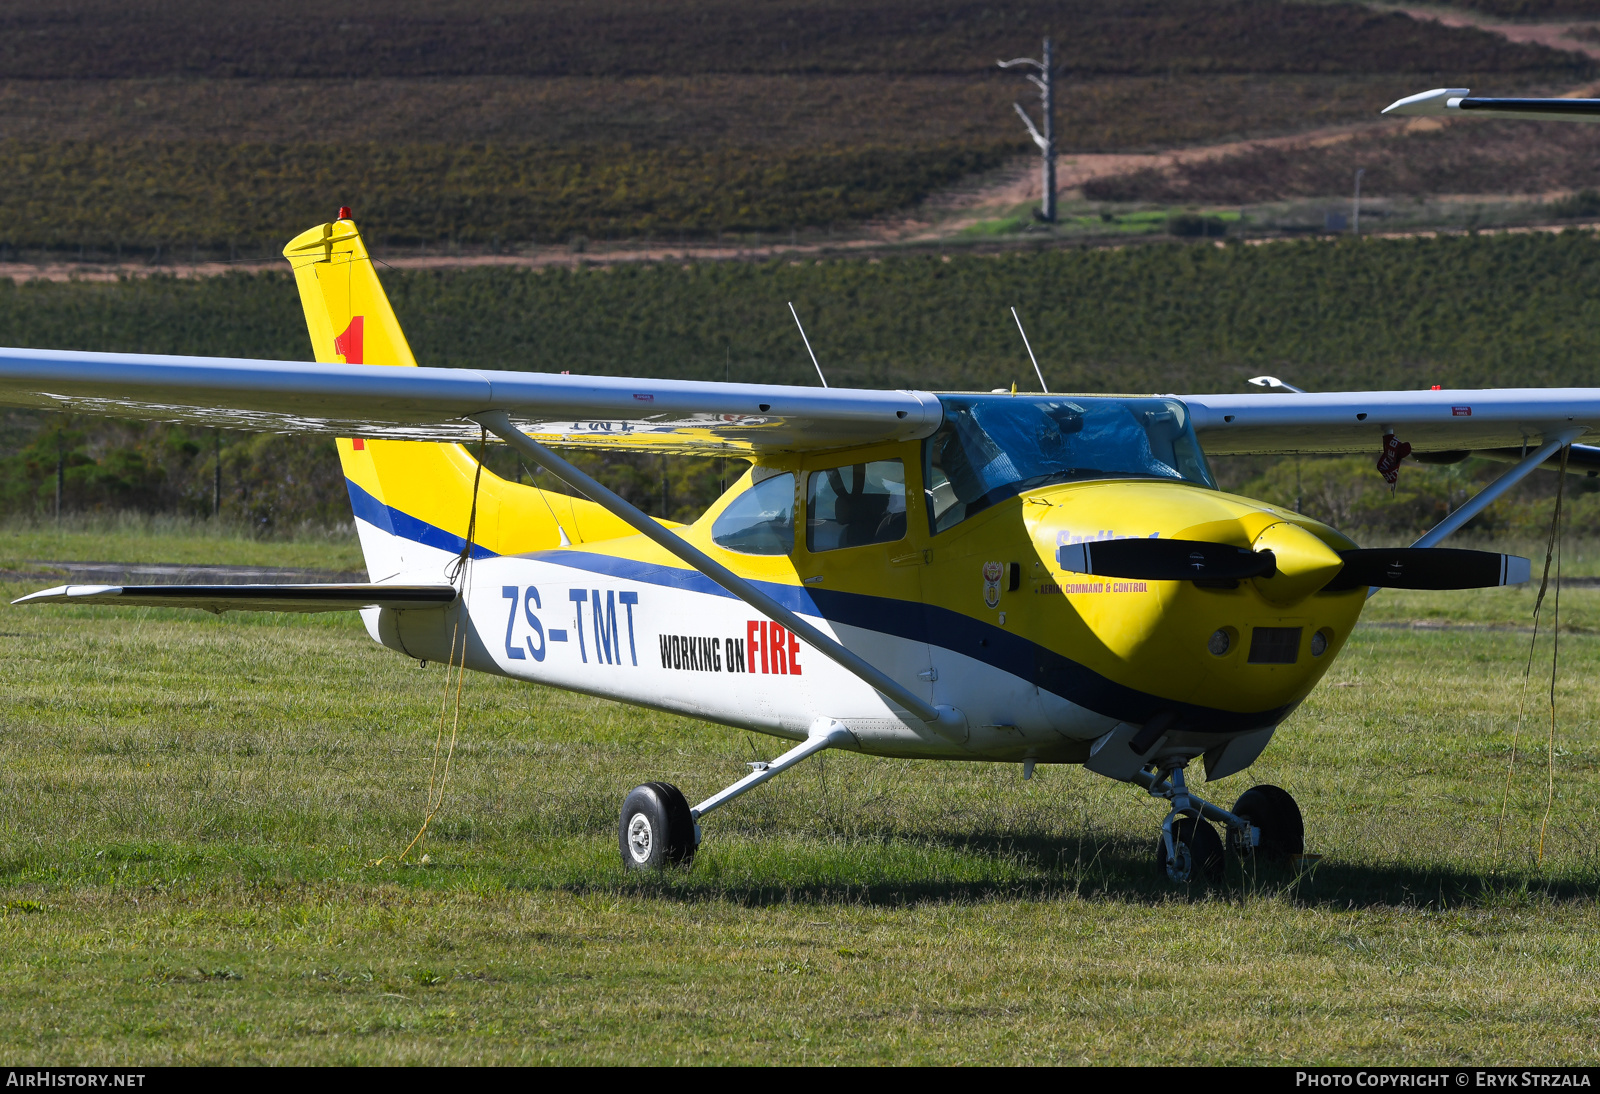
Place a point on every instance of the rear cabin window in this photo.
(856, 505)
(759, 521)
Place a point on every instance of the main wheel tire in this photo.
(1199, 850)
(1271, 809)
(657, 829)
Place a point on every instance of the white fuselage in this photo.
(669, 639)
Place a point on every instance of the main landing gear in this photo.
(658, 827)
(1264, 826)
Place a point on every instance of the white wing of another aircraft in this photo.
(1445, 101)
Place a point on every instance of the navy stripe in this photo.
(949, 630)
(391, 520)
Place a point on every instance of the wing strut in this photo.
(947, 720)
(1513, 475)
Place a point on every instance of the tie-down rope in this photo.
(1552, 549)
(459, 570)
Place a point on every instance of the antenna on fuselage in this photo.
(807, 341)
(1042, 385)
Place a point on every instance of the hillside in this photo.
(148, 129)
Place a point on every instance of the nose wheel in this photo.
(1189, 850)
(1265, 826)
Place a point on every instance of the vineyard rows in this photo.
(299, 39)
(1469, 311)
(213, 194)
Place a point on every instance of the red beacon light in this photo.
(344, 212)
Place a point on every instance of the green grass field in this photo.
(132, 537)
(191, 809)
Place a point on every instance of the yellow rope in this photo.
(1527, 670)
(1555, 653)
(462, 570)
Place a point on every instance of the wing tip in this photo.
(1427, 103)
(63, 593)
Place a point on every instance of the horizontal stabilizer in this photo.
(1166, 560)
(1428, 568)
(250, 598)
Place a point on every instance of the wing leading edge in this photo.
(694, 417)
(1355, 421)
(432, 404)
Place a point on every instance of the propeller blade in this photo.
(1166, 560)
(1428, 568)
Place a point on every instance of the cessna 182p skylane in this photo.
(1016, 578)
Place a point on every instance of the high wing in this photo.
(432, 404)
(250, 598)
(1355, 421)
(700, 417)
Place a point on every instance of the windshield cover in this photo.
(992, 447)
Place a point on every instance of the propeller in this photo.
(1167, 560)
(1428, 568)
(1386, 568)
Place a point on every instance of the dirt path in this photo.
(1556, 34)
(1021, 184)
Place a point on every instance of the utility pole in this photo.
(216, 486)
(1356, 220)
(1046, 83)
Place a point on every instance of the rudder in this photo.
(413, 499)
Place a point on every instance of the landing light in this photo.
(1319, 643)
(1220, 642)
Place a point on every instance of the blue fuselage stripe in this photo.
(946, 629)
(391, 520)
(906, 619)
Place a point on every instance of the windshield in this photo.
(991, 447)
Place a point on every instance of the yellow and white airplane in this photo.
(977, 577)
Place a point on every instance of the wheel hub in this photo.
(640, 838)
(1180, 863)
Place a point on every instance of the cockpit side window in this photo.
(856, 505)
(759, 521)
(990, 447)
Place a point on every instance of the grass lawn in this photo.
(128, 537)
(190, 810)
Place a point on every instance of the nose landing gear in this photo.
(1265, 825)
(1189, 849)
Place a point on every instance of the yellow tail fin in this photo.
(413, 500)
